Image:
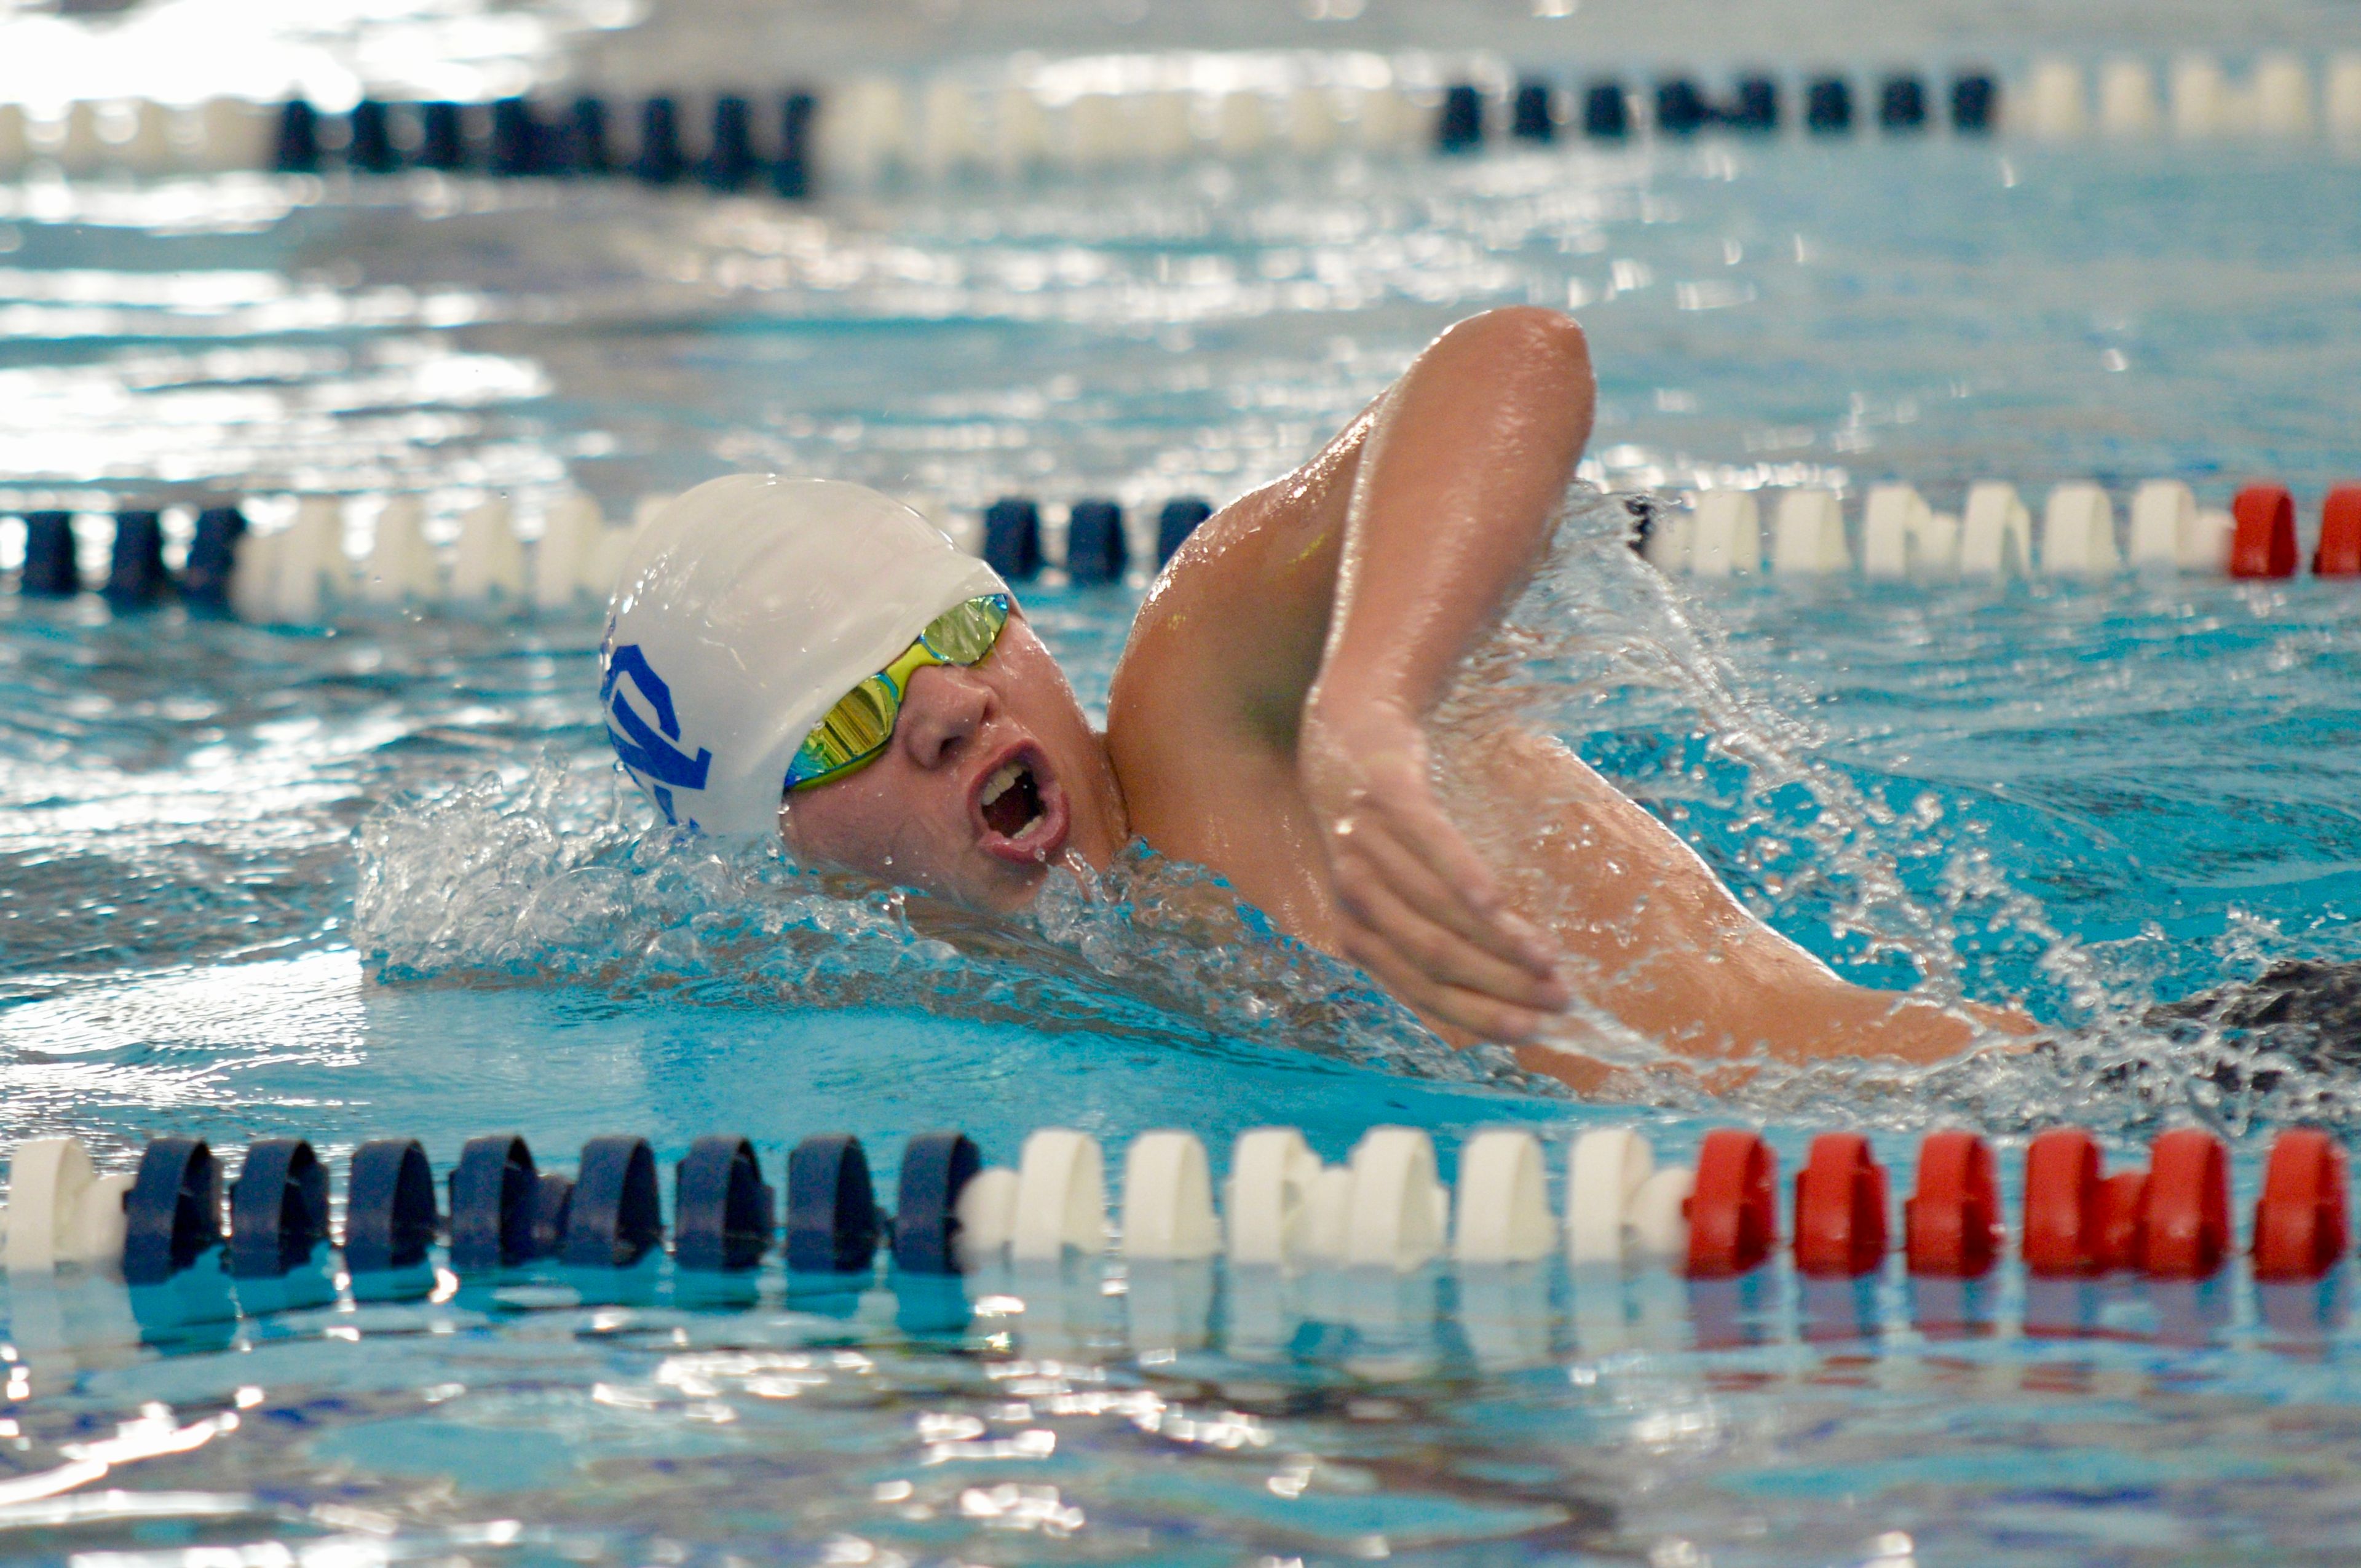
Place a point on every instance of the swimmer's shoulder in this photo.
(1232, 628)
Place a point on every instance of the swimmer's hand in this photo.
(1415, 906)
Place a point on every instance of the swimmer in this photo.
(811, 659)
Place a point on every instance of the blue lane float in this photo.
(297, 149)
(1975, 103)
(390, 1217)
(548, 1215)
(492, 1190)
(1012, 538)
(443, 137)
(1530, 117)
(1681, 107)
(617, 1217)
(1902, 104)
(1606, 114)
(135, 575)
(832, 1225)
(791, 175)
(1096, 550)
(1754, 107)
(517, 140)
(586, 149)
(660, 161)
(49, 569)
(723, 1214)
(173, 1213)
(729, 163)
(1176, 522)
(1460, 127)
(1828, 105)
(212, 558)
(368, 145)
(278, 1209)
(936, 1168)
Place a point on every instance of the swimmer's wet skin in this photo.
(1269, 718)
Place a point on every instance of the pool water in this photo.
(377, 878)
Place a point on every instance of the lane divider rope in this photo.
(1384, 1207)
(867, 130)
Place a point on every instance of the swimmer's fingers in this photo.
(1375, 862)
(1422, 852)
(1377, 917)
(1486, 1017)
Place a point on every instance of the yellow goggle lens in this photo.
(856, 729)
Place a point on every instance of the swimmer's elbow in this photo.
(1527, 336)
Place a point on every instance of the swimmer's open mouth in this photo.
(1011, 800)
(1018, 809)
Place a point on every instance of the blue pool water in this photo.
(375, 877)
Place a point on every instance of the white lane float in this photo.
(1726, 538)
(61, 1210)
(1502, 1213)
(1996, 532)
(1168, 1199)
(2077, 530)
(401, 567)
(488, 565)
(1267, 1199)
(1809, 536)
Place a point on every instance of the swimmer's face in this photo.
(990, 777)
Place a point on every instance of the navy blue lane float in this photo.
(617, 1218)
(369, 147)
(492, 1204)
(723, 1213)
(135, 575)
(1460, 128)
(1681, 107)
(505, 1212)
(173, 1213)
(278, 1209)
(1176, 522)
(1012, 538)
(1975, 103)
(1828, 105)
(1606, 114)
(49, 569)
(936, 1167)
(1753, 107)
(1530, 115)
(832, 1221)
(1902, 104)
(213, 556)
(1096, 550)
(390, 1218)
(1684, 107)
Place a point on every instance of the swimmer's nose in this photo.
(944, 709)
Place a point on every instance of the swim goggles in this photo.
(855, 730)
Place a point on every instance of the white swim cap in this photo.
(746, 608)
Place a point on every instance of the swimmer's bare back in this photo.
(1270, 718)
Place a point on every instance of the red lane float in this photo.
(2121, 1241)
(2185, 1214)
(2264, 543)
(2062, 1203)
(1840, 1209)
(2300, 1227)
(2339, 554)
(1733, 1217)
(1950, 1225)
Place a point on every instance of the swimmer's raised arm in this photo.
(1302, 638)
